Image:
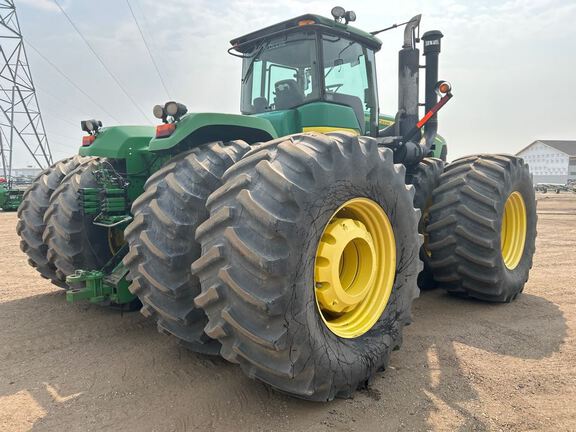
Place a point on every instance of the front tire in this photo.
(261, 254)
(483, 227)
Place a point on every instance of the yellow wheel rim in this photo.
(513, 234)
(355, 267)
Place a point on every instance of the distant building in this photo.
(26, 172)
(551, 161)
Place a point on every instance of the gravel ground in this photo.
(464, 365)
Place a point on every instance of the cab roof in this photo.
(246, 43)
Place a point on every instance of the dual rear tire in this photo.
(249, 286)
(54, 231)
(161, 240)
(32, 221)
(482, 227)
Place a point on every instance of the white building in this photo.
(29, 171)
(551, 161)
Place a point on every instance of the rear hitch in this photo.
(93, 290)
(108, 285)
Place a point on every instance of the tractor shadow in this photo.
(84, 367)
(441, 379)
(453, 348)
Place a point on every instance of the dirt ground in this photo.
(464, 365)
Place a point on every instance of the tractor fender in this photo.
(198, 128)
(119, 142)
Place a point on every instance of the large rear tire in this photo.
(162, 243)
(265, 261)
(425, 178)
(483, 227)
(31, 212)
(73, 241)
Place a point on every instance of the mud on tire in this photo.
(258, 254)
(466, 222)
(31, 213)
(162, 243)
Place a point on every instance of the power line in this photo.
(148, 49)
(67, 78)
(66, 137)
(118, 83)
(64, 120)
(77, 108)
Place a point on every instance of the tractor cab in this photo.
(310, 70)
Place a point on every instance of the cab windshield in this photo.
(349, 76)
(284, 72)
(280, 74)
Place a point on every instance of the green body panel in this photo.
(324, 114)
(119, 142)
(284, 122)
(129, 144)
(199, 128)
(439, 143)
(312, 115)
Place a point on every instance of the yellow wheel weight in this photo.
(355, 267)
(513, 234)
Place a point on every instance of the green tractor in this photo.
(10, 198)
(290, 239)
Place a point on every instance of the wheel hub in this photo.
(355, 268)
(345, 265)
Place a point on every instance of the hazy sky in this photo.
(512, 63)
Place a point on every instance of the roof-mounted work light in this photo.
(159, 112)
(350, 16)
(340, 14)
(170, 114)
(91, 126)
(171, 109)
(175, 110)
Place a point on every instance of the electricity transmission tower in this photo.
(20, 119)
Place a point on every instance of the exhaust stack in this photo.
(432, 45)
(408, 78)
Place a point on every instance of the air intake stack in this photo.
(432, 45)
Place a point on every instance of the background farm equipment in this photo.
(10, 195)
